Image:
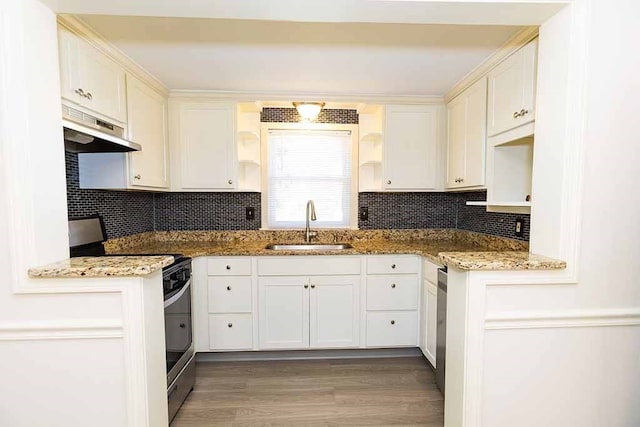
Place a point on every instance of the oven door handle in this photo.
(177, 296)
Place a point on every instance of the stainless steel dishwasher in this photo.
(441, 332)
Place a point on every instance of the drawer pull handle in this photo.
(228, 267)
(393, 286)
(182, 325)
(393, 266)
(230, 325)
(228, 288)
(313, 286)
(306, 286)
(393, 322)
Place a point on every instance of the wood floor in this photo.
(346, 392)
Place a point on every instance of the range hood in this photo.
(84, 133)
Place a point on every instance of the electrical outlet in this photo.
(519, 230)
(364, 214)
(250, 213)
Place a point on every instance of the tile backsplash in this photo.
(476, 218)
(327, 115)
(408, 210)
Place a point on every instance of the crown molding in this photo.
(80, 28)
(269, 97)
(512, 45)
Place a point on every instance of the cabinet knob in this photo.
(461, 179)
(138, 176)
(313, 286)
(524, 112)
(89, 96)
(393, 266)
(182, 325)
(388, 181)
(80, 92)
(230, 181)
(229, 325)
(306, 286)
(516, 114)
(228, 288)
(393, 322)
(228, 267)
(393, 286)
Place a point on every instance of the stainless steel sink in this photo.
(309, 247)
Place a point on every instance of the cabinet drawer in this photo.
(392, 293)
(430, 271)
(229, 294)
(391, 264)
(308, 265)
(236, 266)
(230, 331)
(392, 328)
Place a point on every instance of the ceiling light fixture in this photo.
(308, 110)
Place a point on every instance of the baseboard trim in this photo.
(248, 356)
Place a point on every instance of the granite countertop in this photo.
(103, 266)
(500, 260)
(455, 248)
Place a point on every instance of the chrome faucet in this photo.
(311, 215)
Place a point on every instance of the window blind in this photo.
(309, 165)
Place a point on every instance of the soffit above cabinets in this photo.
(294, 57)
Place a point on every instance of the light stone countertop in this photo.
(500, 260)
(103, 266)
(454, 248)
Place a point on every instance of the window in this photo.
(308, 165)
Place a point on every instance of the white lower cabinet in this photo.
(393, 298)
(309, 312)
(230, 331)
(429, 311)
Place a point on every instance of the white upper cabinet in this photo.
(512, 86)
(147, 126)
(399, 148)
(410, 147)
(203, 139)
(466, 137)
(90, 79)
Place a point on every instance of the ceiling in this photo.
(294, 57)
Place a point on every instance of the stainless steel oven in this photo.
(178, 332)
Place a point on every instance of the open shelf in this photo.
(371, 163)
(371, 137)
(484, 203)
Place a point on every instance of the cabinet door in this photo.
(284, 312)
(147, 125)
(475, 135)
(512, 91)
(410, 147)
(456, 132)
(335, 312)
(103, 80)
(207, 139)
(429, 325)
(70, 82)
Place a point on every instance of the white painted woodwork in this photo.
(229, 266)
(392, 328)
(230, 331)
(249, 156)
(430, 270)
(399, 292)
(393, 264)
(410, 153)
(467, 121)
(85, 68)
(309, 265)
(230, 294)
(512, 86)
(334, 312)
(204, 140)
(509, 174)
(284, 312)
(430, 324)
(147, 125)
